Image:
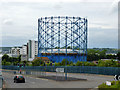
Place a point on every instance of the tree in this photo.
(79, 63)
(4, 62)
(108, 63)
(64, 62)
(102, 54)
(57, 64)
(118, 55)
(5, 57)
(110, 56)
(92, 55)
(19, 58)
(26, 63)
(37, 62)
(8, 63)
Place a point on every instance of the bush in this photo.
(37, 62)
(79, 63)
(86, 63)
(64, 62)
(113, 85)
(92, 64)
(108, 63)
(57, 64)
(8, 63)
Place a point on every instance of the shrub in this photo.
(64, 62)
(37, 62)
(57, 64)
(113, 85)
(79, 63)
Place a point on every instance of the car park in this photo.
(19, 78)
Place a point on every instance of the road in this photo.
(32, 82)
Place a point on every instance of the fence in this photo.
(69, 69)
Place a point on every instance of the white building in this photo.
(16, 51)
(24, 50)
(32, 49)
(27, 52)
(24, 53)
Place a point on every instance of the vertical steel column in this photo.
(73, 34)
(66, 35)
(86, 38)
(66, 47)
(45, 33)
(59, 38)
(52, 23)
(38, 38)
(79, 38)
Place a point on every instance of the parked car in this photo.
(117, 77)
(19, 78)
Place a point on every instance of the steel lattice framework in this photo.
(62, 37)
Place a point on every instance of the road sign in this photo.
(59, 69)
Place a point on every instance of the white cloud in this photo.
(57, 0)
(8, 21)
(20, 18)
(114, 7)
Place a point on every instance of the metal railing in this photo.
(68, 69)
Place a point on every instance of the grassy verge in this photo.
(113, 85)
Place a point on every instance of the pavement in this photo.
(33, 82)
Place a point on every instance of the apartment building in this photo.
(16, 51)
(27, 52)
(32, 49)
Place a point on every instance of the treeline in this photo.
(65, 62)
(6, 60)
(95, 55)
(101, 63)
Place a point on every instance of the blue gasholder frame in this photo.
(62, 38)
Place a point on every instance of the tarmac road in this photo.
(32, 82)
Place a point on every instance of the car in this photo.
(19, 78)
(117, 77)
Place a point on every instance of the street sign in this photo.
(59, 69)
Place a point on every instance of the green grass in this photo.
(114, 85)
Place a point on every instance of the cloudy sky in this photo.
(19, 19)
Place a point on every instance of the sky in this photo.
(19, 19)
